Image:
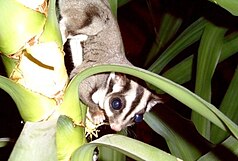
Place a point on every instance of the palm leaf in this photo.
(227, 150)
(185, 39)
(186, 144)
(208, 56)
(229, 107)
(134, 149)
(230, 5)
(180, 93)
(36, 142)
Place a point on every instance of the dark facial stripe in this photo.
(139, 95)
(126, 88)
(110, 86)
(120, 94)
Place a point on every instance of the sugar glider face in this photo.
(125, 101)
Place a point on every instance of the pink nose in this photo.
(115, 127)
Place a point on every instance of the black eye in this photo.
(138, 118)
(116, 103)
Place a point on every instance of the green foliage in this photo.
(3, 142)
(221, 152)
(68, 137)
(182, 94)
(29, 22)
(189, 36)
(36, 142)
(228, 106)
(230, 5)
(216, 45)
(171, 127)
(132, 148)
(32, 109)
(210, 132)
(208, 55)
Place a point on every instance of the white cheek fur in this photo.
(98, 97)
(106, 106)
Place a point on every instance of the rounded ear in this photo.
(152, 102)
(120, 79)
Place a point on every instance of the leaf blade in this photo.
(229, 5)
(36, 142)
(168, 28)
(229, 107)
(208, 56)
(32, 106)
(185, 144)
(185, 39)
(227, 150)
(180, 93)
(132, 148)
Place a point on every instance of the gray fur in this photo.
(103, 46)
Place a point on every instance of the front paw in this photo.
(96, 117)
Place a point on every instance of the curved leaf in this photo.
(185, 39)
(29, 24)
(227, 150)
(4, 141)
(71, 106)
(51, 29)
(186, 144)
(169, 27)
(107, 154)
(208, 57)
(181, 72)
(230, 46)
(133, 148)
(180, 93)
(32, 106)
(114, 6)
(69, 137)
(36, 142)
(230, 5)
(178, 73)
(229, 107)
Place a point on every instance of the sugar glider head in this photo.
(125, 101)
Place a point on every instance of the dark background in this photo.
(138, 25)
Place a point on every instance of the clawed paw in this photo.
(96, 117)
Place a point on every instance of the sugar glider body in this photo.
(108, 95)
